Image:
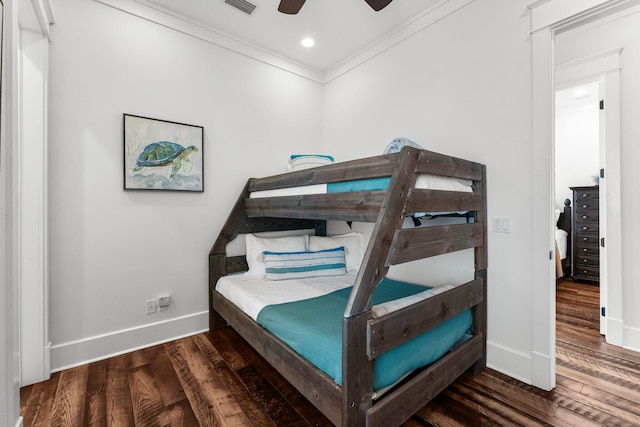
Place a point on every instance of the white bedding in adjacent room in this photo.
(561, 242)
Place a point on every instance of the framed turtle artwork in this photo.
(162, 155)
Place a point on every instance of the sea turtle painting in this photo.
(164, 153)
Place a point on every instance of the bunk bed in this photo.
(368, 333)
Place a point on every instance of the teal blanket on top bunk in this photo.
(371, 184)
(313, 328)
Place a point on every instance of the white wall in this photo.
(461, 87)
(110, 250)
(593, 39)
(577, 147)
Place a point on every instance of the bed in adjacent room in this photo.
(563, 240)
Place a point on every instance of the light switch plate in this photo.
(501, 224)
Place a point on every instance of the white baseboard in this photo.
(87, 350)
(632, 338)
(47, 361)
(543, 371)
(615, 332)
(509, 362)
(19, 422)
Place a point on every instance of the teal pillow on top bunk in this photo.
(300, 265)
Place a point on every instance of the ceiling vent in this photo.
(243, 5)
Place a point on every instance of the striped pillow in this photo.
(299, 265)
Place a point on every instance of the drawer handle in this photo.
(586, 261)
(585, 250)
(585, 195)
(584, 227)
(585, 216)
(585, 271)
(585, 206)
(585, 238)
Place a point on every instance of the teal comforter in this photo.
(313, 328)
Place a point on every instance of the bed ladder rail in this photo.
(410, 244)
(390, 243)
(393, 329)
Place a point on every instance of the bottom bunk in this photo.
(297, 326)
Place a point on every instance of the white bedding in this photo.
(423, 181)
(561, 242)
(251, 294)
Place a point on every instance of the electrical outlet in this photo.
(164, 302)
(151, 306)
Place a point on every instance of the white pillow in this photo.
(353, 243)
(257, 245)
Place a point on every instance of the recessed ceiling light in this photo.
(307, 42)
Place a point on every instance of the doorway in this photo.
(579, 141)
(588, 105)
(549, 25)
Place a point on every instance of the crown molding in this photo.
(169, 19)
(545, 13)
(36, 16)
(182, 24)
(439, 11)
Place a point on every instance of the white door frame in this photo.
(547, 18)
(605, 67)
(31, 190)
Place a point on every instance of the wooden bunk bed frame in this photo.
(366, 337)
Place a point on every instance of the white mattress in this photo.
(423, 181)
(251, 294)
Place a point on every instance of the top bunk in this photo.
(418, 180)
(390, 242)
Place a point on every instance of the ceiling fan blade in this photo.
(290, 7)
(378, 4)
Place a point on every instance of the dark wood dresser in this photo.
(585, 234)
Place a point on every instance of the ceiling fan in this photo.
(291, 7)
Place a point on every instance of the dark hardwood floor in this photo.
(216, 379)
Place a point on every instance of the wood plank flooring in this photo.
(216, 379)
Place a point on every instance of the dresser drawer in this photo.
(589, 260)
(591, 273)
(587, 194)
(587, 227)
(587, 205)
(586, 249)
(587, 239)
(585, 216)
